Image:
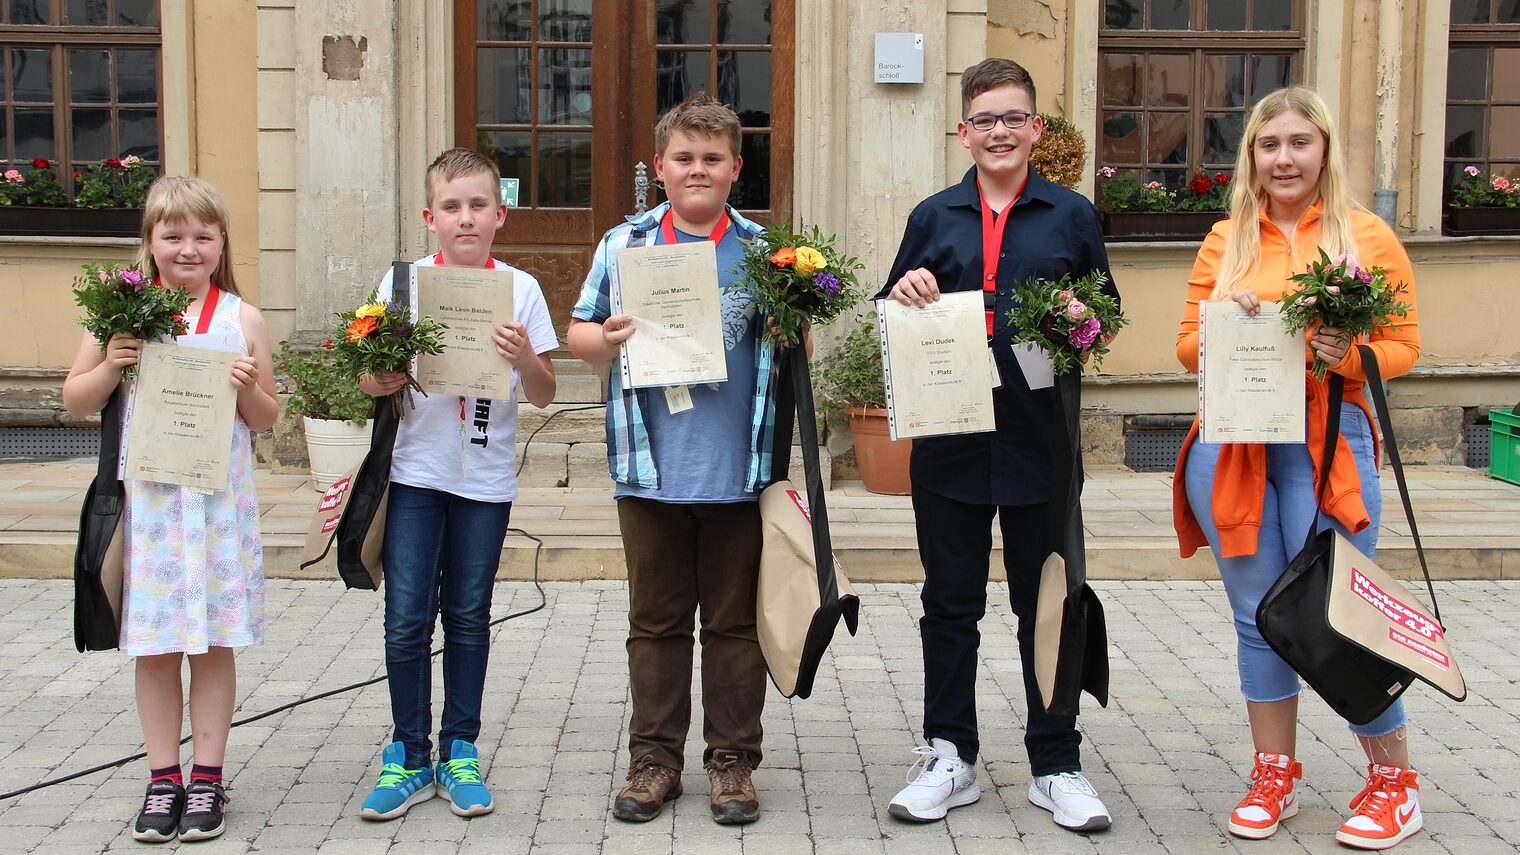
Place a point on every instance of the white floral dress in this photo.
(195, 561)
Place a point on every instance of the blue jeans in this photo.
(441, 550)
(1285, 520)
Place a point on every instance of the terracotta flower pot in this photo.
(883, 461)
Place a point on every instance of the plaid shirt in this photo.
(629, 456)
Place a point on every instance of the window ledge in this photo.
(56, 240)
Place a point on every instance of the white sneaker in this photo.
(1071, 799)
(944, 782)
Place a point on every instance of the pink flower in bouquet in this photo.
(1075, 309)
(1066, 296)
(1084, 334)
(1348, 260)
(1332, 289)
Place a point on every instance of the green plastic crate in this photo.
(1504, 457)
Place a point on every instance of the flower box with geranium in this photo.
(1135, 210)
(108, 203)
(1484, 204)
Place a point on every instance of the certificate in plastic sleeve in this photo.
(935, 363)
(671, 291)
(472, 302)
(1250, 375)
(183, 411)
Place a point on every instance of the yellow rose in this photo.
(373, 310)
(810, 261)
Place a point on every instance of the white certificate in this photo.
(472, 302)
(1250, 375)
(935, 362)
(672, 293)
(183, 411)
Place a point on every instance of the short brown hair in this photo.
(458, 162)
(991, 73)
(698, 113)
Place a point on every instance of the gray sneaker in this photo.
(1071, 799)
(944, 781)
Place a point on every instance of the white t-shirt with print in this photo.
(473, 455)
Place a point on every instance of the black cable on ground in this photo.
(543, 601)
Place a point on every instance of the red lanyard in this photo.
(992, 240)
(438, 262)
(203, 323)
(668, 227)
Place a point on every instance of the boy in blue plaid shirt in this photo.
(687, 484)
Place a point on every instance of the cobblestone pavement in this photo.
(1168, 754)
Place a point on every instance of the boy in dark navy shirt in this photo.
(1001, 225)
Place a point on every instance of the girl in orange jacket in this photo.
(1254, 504)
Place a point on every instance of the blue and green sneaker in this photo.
(399, 787)
(459, 780)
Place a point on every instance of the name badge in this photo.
(678, 399)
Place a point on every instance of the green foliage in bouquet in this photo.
(319, 386)
(798, 279)
(123, 300)
(1337, 292)
(1072, 319)
(380, 337)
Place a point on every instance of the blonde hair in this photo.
(1248, 199)
(698, 114)
(457, 163)
(178, 197)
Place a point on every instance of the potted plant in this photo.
(1061, 153)
(850, 382)
(1133, 210)
(334, 412)
(108, 203)
(1484, 204)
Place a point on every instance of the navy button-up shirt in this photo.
(1054, 231)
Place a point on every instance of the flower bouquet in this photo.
(1070, 319)
(1337, 292)
(798, 279)
(380, 337)
(123, 300)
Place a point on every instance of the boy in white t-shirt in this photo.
(452, 485)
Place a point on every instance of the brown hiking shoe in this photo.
(733, 792)
(649, 787)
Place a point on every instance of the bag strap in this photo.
(1064, 531)
(107, 467)
(794, 394)
(1385, 421)
(1327, 458)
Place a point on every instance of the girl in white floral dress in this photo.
(194, 586)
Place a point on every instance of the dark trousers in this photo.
(955, 545)
(440, 555)
(682, 559)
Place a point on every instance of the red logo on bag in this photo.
(797, 500)
(1419, 647)
(334, 495)
(331, 523)
(1393, 609)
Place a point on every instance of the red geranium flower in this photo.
(40, 163)
(1200, 184)
(113, 163)
(77, 174)
(1221, 178)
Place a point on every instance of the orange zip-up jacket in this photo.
(1240, 480)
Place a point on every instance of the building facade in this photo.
(317, 118)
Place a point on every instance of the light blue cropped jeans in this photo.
(1288, 511)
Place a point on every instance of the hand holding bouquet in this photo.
(122, 300)
(1338, 293)
(1072, 319)
(798, 279)
(380, 337)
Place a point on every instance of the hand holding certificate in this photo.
(471, 303)
(935, 360)
(1250, 375)
(183, 411)
(671, 290)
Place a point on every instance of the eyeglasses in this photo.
(1013, 120)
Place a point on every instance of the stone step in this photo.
(578, 382)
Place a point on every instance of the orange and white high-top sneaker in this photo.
(1271, 798)
(1387, 809)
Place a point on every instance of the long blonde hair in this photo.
(175, 197)
(1248, 199)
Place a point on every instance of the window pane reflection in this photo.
(92, 134)
(136, 76)
(87, 12)
(1121, 79)
(1171, 14)
(1166, 137)
(1272, 15)
(90, 75)
(136, 13)
(747, 22)
(564, 87)
(1467, 74)
(679, 74)
(1268, 73)
(503, 20)
(502, 78)
(1469, 11)
(1504, 136)
(753, 189)
(513, 153)
(1121, 138)
(1221, 139)
(1224, 81)
(744, 82)
(564, 170)
(1169, 80)
(31, 12)
(564, 20)
(34, 134)
(683, 22)
(1506, 74)
(1464, 131)
(139, 133)
(32, 75)
(1122, 14)
(1228, 14)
